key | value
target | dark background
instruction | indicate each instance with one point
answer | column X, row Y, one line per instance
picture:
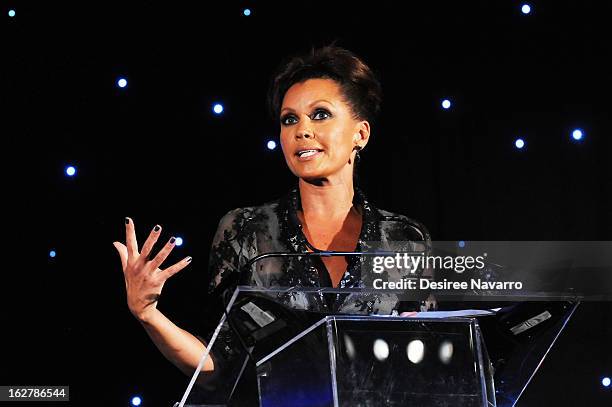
column 154, row 151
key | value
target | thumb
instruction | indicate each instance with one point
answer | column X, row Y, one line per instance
column 123, row 253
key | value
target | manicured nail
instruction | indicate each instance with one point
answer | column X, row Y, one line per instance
column 188, row 259
column 172, row 240
column 156, row 228
column 127, row 221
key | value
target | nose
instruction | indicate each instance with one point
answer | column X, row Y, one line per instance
column 304, row 131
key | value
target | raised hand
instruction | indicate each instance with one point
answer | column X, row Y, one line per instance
column 144, row 279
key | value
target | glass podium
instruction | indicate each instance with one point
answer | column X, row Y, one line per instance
column 285, row 347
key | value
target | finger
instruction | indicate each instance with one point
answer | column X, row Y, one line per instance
column 148, row 245
column 175, row 268
column 408, row 314
column 123, row 253
column 163, row 254
column 130, row 239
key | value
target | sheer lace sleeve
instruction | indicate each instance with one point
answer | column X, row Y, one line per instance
column 227, row 254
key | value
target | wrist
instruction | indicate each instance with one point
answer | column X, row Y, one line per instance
column 145, row 316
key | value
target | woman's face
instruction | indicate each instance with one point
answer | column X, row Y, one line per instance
column 319, row 132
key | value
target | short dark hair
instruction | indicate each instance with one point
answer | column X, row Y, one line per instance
column 358, row 84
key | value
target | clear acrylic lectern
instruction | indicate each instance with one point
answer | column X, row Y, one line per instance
column 283, row 347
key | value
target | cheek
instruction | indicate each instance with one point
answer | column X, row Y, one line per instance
column 341, row 143
column 286, row 146
column 285, row 134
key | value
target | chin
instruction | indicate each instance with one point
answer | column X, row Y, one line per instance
column 310, row 176
column 308, row 173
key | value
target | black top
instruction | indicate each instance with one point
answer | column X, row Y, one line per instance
column 244, row 233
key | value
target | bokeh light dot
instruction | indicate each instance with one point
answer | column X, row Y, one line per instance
column 445, row 353
column 218, row 108
column 519, row 143
column 349, row 347
column 415, row 351
column 70, row 171
column 381, row 350
column 577, row 134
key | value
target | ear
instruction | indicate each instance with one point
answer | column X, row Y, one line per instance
column 362, row 134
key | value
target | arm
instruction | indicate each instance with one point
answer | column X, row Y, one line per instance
column 178, row 346
column 144, row 281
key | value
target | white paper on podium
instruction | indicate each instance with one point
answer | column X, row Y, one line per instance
column 457, row 313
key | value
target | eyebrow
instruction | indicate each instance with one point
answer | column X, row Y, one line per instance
column 312, row 104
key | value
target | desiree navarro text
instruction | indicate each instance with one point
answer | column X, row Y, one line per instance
column 426, row 284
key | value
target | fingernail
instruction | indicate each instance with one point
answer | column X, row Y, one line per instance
column 127, row 220
column 156, row 228
column 188, row 259
column 172, row 240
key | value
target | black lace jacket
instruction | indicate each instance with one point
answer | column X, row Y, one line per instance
column 274, row 227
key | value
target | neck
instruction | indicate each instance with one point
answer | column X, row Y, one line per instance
column 329, row 200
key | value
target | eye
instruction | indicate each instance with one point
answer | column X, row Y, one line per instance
column 320, row 114
column 288, row 119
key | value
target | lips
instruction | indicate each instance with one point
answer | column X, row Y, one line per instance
column 306, row 154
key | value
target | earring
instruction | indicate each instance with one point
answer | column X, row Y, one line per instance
column 357, row 149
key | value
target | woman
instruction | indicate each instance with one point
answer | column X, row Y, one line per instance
column 325, row 102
